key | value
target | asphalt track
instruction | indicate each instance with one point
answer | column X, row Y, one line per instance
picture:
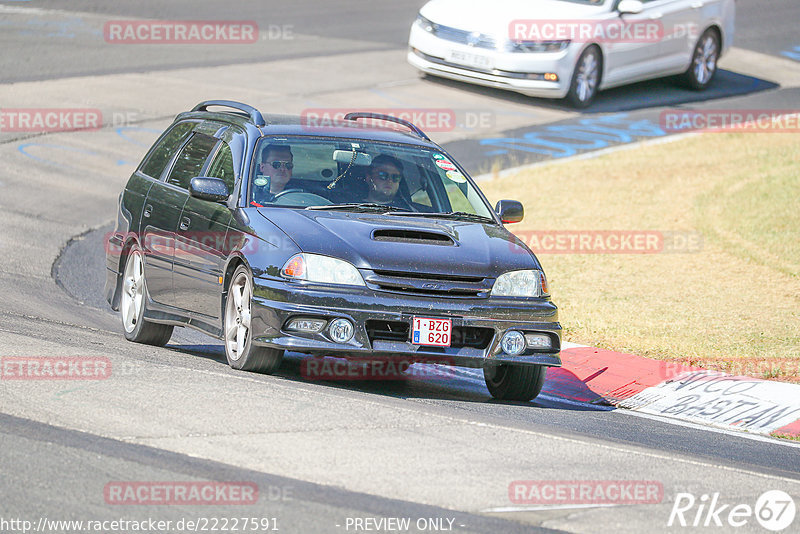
column 417, row 448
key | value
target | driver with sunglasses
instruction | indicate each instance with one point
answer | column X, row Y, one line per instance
column 276, row 163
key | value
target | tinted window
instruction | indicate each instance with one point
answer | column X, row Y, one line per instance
column 166, row 148
column 191, row 160
column 222, row 166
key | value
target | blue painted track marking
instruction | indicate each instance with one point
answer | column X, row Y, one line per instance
column 23, row 149
column 794, row 53
column 564, row 140
column 122, row 131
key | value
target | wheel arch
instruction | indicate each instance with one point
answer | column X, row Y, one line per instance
column 130, row 240
column 602, row 59
column 234, row 262
column 720, row 35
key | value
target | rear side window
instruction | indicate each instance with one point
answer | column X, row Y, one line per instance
column 191, row 160
column 166, row 148
column 222, row 166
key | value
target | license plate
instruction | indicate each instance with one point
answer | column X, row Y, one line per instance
column 468, row 59
column 428, row 331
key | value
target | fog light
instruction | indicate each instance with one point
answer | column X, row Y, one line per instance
column 551, row 77
column 513, row 343
column 341, row 330
column 538, row 341
column 307, row 325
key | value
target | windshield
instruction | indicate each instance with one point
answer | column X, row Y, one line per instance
column 323, row 173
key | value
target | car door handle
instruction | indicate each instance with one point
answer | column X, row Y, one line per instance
column 185, row 223
column 697, row 5
column 148, row 210
column 656, row 16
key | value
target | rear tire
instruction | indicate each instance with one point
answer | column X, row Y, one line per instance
column 514, row 382
column 133, row 304
column 239, row 348
column 704, row 61
column 585, row 78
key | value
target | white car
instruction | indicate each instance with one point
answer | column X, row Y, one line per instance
column 571, row 48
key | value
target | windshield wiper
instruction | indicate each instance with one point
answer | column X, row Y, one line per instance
column 358, row 206
column 459, row 215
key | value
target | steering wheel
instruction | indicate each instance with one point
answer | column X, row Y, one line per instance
column 295, row 190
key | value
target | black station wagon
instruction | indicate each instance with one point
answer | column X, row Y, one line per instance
column 359, row 238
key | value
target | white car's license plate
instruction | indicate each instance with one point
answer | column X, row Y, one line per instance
column 477, row 61
column 428, row 331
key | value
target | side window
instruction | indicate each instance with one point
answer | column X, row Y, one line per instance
column 191, row 160
column 222, row 166
column 163, row 153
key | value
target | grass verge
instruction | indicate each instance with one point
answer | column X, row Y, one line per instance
column 731, row 302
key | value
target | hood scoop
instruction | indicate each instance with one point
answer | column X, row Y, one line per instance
column 408, row 235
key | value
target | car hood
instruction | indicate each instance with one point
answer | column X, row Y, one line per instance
column 477, row 249
column 493, row 18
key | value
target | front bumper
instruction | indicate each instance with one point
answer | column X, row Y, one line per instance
column 277, row 301
column 509, row 70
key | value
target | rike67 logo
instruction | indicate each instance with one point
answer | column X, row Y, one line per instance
column 774, row 510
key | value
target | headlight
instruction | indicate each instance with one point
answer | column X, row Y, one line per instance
column 521, row 284
column 424, row 23
column 537, row 46
column 321, row 269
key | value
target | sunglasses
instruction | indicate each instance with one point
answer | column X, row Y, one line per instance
column 383, row 175
column 277, row 164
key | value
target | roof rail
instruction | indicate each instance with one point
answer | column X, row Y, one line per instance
column 367, row 115
column 254, row 114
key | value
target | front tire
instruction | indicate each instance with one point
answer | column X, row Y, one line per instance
column 239, row 348
column 704, row 61
column 585, row 79
column 514, row 382
column 133, row 304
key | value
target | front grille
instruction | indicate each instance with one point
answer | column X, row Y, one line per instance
column 430, row 285
column 429, row 276
column 476, row 39
column 387, row 330
column 464, row 293
column 493, row 72
column 471, row 336
column 462, row 336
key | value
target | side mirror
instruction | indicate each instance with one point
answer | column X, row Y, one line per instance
column 631, row 7
column 510, row 211
column 207, row 188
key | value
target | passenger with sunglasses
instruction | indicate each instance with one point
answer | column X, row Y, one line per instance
column 383, row 179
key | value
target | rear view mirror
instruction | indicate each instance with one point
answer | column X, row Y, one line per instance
column 208, row 188
column 510, row 211
column 632, row 7
column 346, row 157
